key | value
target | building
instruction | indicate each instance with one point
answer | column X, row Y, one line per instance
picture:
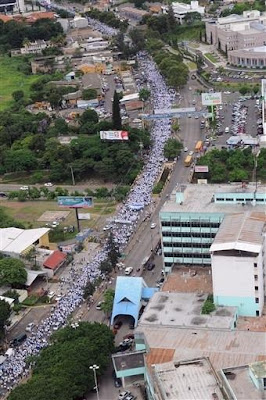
column 245, row 381
column 132, row 13
column 181, row 10
column 238, row 257
column 254, row 57
column 15, row 242
column 79, row 23
column 191, row 218
column 56, row 260
column 12, row 6
column 237, row 32
column 185, row 380
column 263, row 106
column 131, row 293
column 34, row 47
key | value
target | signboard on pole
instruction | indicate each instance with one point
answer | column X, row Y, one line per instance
column 211, row 99
column 74, row 202
column 114, row 135
column 201, row 168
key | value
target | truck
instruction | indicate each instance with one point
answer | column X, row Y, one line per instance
column 199, row 146
column 188, row 161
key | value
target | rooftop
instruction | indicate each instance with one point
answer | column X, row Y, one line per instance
column 189, row 380
column 15, row 240
column 128, row 360
column 240, row 232
column 223, row 347
column 55, row 260
column 199, row 198
column 238, row 380
column 184, row 310
column 184, row 279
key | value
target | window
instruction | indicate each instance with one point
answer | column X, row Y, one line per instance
column 257, row 300
column 257, row 315
column 255, row 265
column 256, row 288
column 255, row 277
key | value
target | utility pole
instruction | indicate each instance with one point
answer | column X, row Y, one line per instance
column 72, row 175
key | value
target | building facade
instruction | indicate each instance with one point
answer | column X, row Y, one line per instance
column 181, row 10
column 238, row 263
column 237, row 32
column 191, row 218
column 250, row 58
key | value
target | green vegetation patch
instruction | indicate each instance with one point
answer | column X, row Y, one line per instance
column 211, row 57
column 12, row 79
column 208, row 305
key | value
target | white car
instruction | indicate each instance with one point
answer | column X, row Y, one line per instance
column 99, row 305
column 30, row 327
column 51, row 295
column 185, row 149
column 128, row 270
column 48, row 184
column 153, row 225
column 24, row 188
column 191, row 153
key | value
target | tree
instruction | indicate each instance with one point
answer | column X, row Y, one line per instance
column 88, row 94
column 175, row 126
column 243, row 90
column 18, row 95
column 90, row 116
column 105, row 267
column 172, row 148
column 89, row 290
column 116, row 117
column 113, row 251
column 171, row 20
column 5, row 312
column 144, row 94
column 108, row 299
column 62, row 371
column 12, row 272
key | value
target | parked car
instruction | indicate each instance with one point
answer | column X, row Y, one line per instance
column 19, row 339
column 24, row 188
column 128, row 270
column 30, row 327
column 122, row 395
column 153, row 225
column 99, row 305
column 150, row 266
column 48, row 184
column 117, row 382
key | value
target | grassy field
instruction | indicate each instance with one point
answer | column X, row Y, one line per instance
column 29, row 212
column 211, row 57
column 11, row 79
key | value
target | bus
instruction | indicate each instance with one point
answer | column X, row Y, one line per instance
column 188, row 161
column 199, row 146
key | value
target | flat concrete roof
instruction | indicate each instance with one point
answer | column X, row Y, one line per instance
column 224, row 348
column 259, row 369
column 240, row 232
column 184, row 310
column 187, row 380
column 199, row 198
column 128, row 360
column 238, row 380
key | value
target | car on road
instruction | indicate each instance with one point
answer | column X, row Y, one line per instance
column 122, row 395
column 153, row 225
column 50, row 295
column 99, row 305
column 30, row 327
column 19, row 339
column 117, row 382
column 107, row 228
column 150, row 266
column 185, row 149
column 24, row 188
column 226, row 130
column 191, row 153
column 128, row 270
column 48, row 184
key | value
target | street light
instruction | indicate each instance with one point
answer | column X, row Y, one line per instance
column 94, row 367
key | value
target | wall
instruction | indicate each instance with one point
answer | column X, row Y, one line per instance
column 44, row 240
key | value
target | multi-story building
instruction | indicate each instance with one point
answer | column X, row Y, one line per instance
column 12, row 5
column 263, row 106
column 191, row 218
column 181, row 10
column 238, row 263
column 238, row 32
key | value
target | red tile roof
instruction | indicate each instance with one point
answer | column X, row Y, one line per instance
column 5, row 18
column 54, row 260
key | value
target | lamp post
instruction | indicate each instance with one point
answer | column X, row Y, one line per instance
column 94, row 367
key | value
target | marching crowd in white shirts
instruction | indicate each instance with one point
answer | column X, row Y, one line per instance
column 15, row 367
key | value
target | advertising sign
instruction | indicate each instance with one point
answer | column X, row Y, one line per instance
column 211, row 99
column 201, row 168
column 74, row 202
column 114, row 135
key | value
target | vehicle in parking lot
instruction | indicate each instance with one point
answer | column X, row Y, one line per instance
column 117, row 382
column 122, row 395
column 50, row 295
column 24, row 188
column 150, row 266
column 226, row 130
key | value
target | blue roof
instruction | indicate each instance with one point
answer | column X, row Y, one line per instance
column 147, row 292
column 128, row 296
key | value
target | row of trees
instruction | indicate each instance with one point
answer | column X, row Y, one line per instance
column 108, row 18
column 62, row 371
column 14, row 33
column 234, row 166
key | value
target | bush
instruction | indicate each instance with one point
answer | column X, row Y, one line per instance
column 158, row 188
column 208, row 305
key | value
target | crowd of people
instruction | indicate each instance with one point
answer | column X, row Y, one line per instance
column 15, row 367
column 103, row 28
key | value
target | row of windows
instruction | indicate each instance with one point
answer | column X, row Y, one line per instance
column 240, row 200
column 189, row 234
column 198, row 224
column 193, row 245
column 187, row 255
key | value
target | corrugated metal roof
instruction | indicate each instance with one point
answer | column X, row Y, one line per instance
column 241, row 231
column 15, row 240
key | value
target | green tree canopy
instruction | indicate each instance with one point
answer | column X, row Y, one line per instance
column 144, row 94
column 5, row 312
column 12, row 272
column 116, row 117
column 108, row 299
column 62, row 371
column 172, row 148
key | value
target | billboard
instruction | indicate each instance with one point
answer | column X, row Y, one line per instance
column 114, row 135
column 74, row 202
column 211, row 99
column 201, row 168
